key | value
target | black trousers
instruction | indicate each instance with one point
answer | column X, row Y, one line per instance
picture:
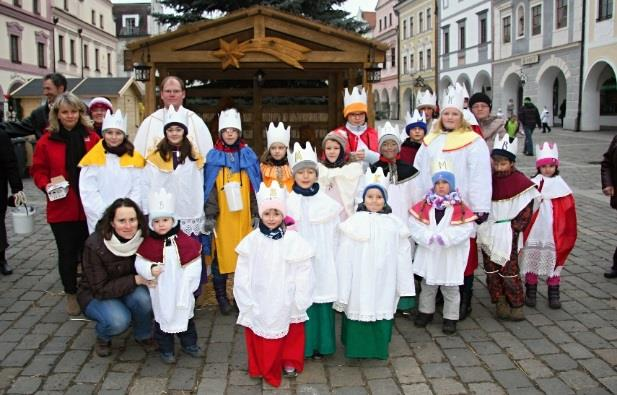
column 4, row 242
column 70, row 238
column 166, row 340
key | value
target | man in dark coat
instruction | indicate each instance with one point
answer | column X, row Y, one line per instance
column 609, row 183
column 9, row 174
column 529, row 117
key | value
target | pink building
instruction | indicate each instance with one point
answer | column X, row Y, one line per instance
column 386, row 31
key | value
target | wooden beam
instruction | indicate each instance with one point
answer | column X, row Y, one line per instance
column 332, row 101
column 269, row 92
column 150, row 99
column 258, row 143
column 205, row 35
column 259, row 26
column 171, row 56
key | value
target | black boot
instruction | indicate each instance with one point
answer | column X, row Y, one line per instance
column 422, row 319
column 466, row 291
column 448, row 327
column 553, row 297
column 531, row 292
column 220, row 290
column 5, row 268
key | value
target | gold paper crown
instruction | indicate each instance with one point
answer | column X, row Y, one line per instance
column 300, row 154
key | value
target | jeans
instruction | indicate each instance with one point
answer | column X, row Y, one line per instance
column 114, row 316
column 528, row 140
column 70, row 238
column 165, row 340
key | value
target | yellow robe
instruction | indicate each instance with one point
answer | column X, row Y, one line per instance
column 231, row 227
column 282, row 174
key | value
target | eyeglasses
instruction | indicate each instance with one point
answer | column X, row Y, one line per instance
column 174, row 91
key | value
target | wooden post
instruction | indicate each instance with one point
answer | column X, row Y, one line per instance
column 150, row 100
column 369, row 98
column 332, row 102
column 258, row 144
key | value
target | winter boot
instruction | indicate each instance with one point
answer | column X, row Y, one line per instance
column 5, row 268
column 220, row 290
column 466, row 293
column 517, row 314
column 531, row 292
column 422, row 319
column 448, row 327
column 503, row 308
column 553, row 297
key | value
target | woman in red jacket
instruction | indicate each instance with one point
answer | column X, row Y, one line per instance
column 57, row 153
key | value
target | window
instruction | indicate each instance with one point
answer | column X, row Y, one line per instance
column 404, row 29
column 411, row 66
column 605, row 9
column 15, row 52
column 561, row 14
column 521, row 22
column 61, row 49
column 461, row 35
column 404, row 64
column 108, row 63
column 93, row 17
column 40, row 52
column 411, row 27
column 17, row 3
column 446, row 3
column 101, row 21
column 66, row 5
column 36, row 7
column 482, row 25
column 380, row 25
column 85, row 56
column 96, row 60
column 428, row 19
column 428, row 59
column 507, row 27
column 393, row 57
column 536, row 20
column 421, row 22
column 446, row 40
column 72, row 51
column 421, row 60
column 390, row 19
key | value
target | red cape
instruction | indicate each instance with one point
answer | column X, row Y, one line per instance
column 188, row 248
column 462, row 214
column 510, row 186
column 369, row 137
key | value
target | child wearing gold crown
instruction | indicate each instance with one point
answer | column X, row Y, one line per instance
column 374, row 271
column 337, row 175
column 274, row 164
column 231, row 179
column 316, row 217
column 273, row 288
column 112, row 169
column 415, row 130
column 500, row 237
column 552, row 232
column 441, row 224
column 426, row 104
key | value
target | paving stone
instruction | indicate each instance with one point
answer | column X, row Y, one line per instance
column 154, row 367
column 578, row 380
column 345, row 376
column 313, row 389
column 55, row 345
column 212, row 386
column 473, row 374
column 93, row 370
column 610, row 383
column 25, row 385
column 349, row 391
column 607, row 333
column 497, row 362
column 485, row 389
column 556, row 334
column 461, row 357
column 216, row 370
column 241, row 377
column 417, row 389
column 559, row 362
column 117, row 381
column 534, row 368
column 486, row 348
column 590, row 340
column 608, row 355
column 407, row 371
column 40, row 365
column 597, row 367
column 71, row 362
column 447, row 386
column 541, row 346
column 576, row 351
column 428, row 353
column 218, row 352
column 17, row 358
column 379, row 372
column 437, row 370
column 554, row 386
column 511, row 379
column 58, row 381
column 383, row 387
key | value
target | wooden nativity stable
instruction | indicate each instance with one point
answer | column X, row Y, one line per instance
column 273, row 66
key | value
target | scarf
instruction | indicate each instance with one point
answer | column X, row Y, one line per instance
column 120, row 246
column 390, row 161
column 441, row 202
column 310, row 191
column 119, row 150
column 74, row 151
column 385, row 210
column 356, row 129
column 277, row 162
column 274, row 234
column 152, row 247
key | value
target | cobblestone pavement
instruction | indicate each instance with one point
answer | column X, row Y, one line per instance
column 565, row 351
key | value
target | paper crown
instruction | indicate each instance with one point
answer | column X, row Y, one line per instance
column 179, row 117
column 417, row 121
column 278, row 134
column 442, row 170
column 376, row 179
column 465, row 93
column 426, row 98
column 115, row 121
column 453, row 97
column 470, row 118
column 547, row 154
column 504, row 147
column 230, row 119
column 100, row 102
column 161, row 204
column 271, row 197
column 356, row 101
column 307, row 156
column 389, row 132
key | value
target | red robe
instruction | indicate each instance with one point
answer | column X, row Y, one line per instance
column 369, row 137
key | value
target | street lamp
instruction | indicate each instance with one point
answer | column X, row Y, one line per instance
column 141, row 72
column 522, row 76
column 373, row 73
column 81, row 43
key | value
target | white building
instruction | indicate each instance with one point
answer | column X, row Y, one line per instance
column 386, row 91
column 465, row 45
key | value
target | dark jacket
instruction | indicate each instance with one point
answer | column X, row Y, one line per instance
column 529, row 116
column 608, row 170
column 104, row 275
column 9, row 174
column 35, row 124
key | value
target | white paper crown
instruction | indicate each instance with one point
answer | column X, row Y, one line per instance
column 300, row 154
column 417, row 117
column 426, row 98
column 440, row 164
column 470, row 118
column 161, row 204
column 358, row 95
column 115, row 121
column 453, row 97
column 230, row 119
column 388, row 130
column 278, row 134
column 172, row 116
column 376, row 178
column 547, row 151
column 271, row 197
column 465, row 93
column 505, row 144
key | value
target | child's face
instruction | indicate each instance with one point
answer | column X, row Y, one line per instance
column 174, row 134
column 442, row 188
column 501, row 164
column 416, row 134
column 272, row 218
column 113, row 137
column 162, row 225
column 306, row 177
column 374, row 201
column 278, row 151
column 428, row 112
column 451, row 118
column 356, row 118
column 230, row 135
column 548, row 170
column 332, row 150
column 389, row 149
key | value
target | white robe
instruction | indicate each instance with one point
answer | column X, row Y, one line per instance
column 441, row 265
column 273, row 282
column 340, row 184
column 172, row 298
column 471, row 168
column 374, row 266
column 100, row 186
column 317, row 219
column 186, row 184
column 151, row 132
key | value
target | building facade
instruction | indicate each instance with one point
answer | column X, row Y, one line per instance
column 85, row 37
column 385, row 92
column 465, row 46
column 26, row 51
column 538, row 55
column 417, row 50
column 599, row 94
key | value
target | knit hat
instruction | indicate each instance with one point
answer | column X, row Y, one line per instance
column 480, row 98
column 339, row 136
column 376, row 180
column 161, row 204
column 441, row 170
column 271, row 197
column 355, row 102
column 278, row 134
column 547, row 154
column 417, row 121
column 176, row 118
column 302, row 158
column 100, row 102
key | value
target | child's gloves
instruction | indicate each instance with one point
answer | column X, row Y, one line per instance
column 482, row 217
column 209, row 224
column 436, row 239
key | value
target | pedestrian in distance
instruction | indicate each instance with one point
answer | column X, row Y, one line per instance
column 545, row 119
column 609, row 188
column 529, row 117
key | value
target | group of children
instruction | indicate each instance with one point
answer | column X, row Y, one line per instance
column 346, row 232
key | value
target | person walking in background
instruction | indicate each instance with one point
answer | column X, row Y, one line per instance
column 609, row 182
column 545, row 119
column 529, row 117
column 562, row 111
column 510, row 108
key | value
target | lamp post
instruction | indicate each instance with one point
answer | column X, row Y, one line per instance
column 523, row 77
column 81, row 44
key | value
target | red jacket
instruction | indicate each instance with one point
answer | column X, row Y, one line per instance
column 49, row 161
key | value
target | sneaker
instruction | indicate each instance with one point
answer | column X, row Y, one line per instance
column 102, row 347
column 72, row 307
column 168, row 357
column 289, row 371
column 148, row 344
column 194, row 351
